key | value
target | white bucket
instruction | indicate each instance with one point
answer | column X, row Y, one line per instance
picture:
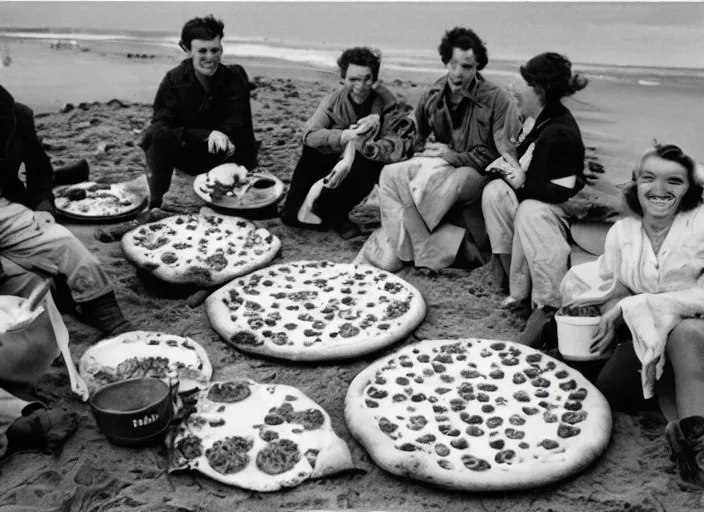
column 574, row 337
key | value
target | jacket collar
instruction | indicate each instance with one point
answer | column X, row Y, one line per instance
column 473, row 94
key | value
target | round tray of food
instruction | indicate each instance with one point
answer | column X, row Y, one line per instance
column 230, row 186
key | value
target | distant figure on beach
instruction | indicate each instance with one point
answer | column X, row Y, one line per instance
column 527, row 212
column 353, row 133
column 465, row 123
column 649, row 284
column 202, row 113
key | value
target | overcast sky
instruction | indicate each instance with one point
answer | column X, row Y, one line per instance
column 656, row 34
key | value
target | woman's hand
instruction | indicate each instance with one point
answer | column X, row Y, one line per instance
column 606, row 330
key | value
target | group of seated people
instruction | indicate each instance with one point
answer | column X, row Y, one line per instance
column 472, row 167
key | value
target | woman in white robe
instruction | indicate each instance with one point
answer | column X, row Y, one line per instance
column 651, row 279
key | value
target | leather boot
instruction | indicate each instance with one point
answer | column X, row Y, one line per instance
column 686, row 439
column 72, row 173
column 104, row 313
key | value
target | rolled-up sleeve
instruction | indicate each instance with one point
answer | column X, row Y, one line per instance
column 318, row 132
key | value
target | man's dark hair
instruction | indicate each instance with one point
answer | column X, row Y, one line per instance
column 201, row 28
column 464, row 39
column 692, row 198
column 360, row 56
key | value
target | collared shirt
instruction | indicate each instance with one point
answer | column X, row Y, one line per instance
column 489, row 126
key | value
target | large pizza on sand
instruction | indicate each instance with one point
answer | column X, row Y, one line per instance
column 206, row 249
column 90, row 200
column 477, row 415
column 315, row 310
column 258, row 437
column 139, row 354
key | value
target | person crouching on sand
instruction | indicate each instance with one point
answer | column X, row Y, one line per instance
column 353, row 133
column 32, row 246
column 650, row 279
column 202, row 113
column 527, row 213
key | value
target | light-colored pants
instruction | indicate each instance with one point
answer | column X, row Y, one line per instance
column 415, row 195
column 33, row 250
column 48, row 248
column 534, row 233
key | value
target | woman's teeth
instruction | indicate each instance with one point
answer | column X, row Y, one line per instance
column 660, row 200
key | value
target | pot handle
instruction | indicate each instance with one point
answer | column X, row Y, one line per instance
column 176, row 401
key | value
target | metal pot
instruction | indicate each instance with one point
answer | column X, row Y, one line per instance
column 135, row 412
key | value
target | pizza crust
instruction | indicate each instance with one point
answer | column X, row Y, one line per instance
column 213, row 422
column 369, row 340
column 421, row 463
column 122, row 357
column 206, row 249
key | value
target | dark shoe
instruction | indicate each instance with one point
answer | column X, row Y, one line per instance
column 40, row 429
column 686, row 440
column 347, row 229
column 72, row 174
column 104, row 313
column 540, row 331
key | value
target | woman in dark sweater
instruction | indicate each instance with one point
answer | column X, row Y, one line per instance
column 527, row 213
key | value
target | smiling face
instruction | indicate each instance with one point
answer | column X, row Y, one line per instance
column 359, row 81
column 527, row 99
column 661, row 184
column 206, row 55
column 461, row 69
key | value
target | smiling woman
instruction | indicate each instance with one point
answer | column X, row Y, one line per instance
column 651, row 278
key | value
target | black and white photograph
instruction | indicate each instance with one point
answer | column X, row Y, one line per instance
column 365, row 256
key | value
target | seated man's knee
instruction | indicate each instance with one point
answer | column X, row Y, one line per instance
column 470, row 183
column 494, row 192
column 687, row 339
column 389, row 174
column 159, row 137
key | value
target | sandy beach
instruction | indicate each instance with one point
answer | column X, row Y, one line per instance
column 91, row 475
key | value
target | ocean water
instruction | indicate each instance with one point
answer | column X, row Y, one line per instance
column 324, row 55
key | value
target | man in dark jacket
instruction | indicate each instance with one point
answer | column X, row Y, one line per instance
column 32, row 245
column 202, row 114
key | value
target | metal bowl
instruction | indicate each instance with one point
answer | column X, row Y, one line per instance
column 133, row 412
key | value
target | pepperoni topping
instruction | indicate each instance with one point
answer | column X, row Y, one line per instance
column 505, row 457
column 442, row 450
column 459, row 444
column 513, row 433
column 574, row 417
column 565, row 431
column 548, row 444
column 517, row 420
column 475, row 463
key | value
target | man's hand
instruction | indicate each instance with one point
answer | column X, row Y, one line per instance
column 436, row 150
column 218, row 142
column 354, row 132
column 370, row 122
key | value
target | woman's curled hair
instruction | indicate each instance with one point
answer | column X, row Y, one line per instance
column 552, row 73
